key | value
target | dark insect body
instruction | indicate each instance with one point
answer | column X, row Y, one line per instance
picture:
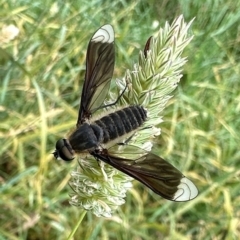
column 107, row 128
column 121, row 122
column 102, row 137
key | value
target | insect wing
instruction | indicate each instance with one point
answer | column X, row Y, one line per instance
column 99, row 70
column 151, row 170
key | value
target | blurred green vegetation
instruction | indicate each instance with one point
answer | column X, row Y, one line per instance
column 39, row 97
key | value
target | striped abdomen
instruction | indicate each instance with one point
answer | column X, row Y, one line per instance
column 121, row 122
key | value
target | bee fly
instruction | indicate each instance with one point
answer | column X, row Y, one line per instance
column 101, row 138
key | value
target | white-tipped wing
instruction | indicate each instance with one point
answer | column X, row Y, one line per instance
column 99, row 71
column 105, row 34
column 151, row 170
column 186, row 191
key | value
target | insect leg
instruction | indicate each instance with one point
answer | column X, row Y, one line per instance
column 112, row 104
column 126, row 141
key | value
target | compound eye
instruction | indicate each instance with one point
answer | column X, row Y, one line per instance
column 64, row 150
